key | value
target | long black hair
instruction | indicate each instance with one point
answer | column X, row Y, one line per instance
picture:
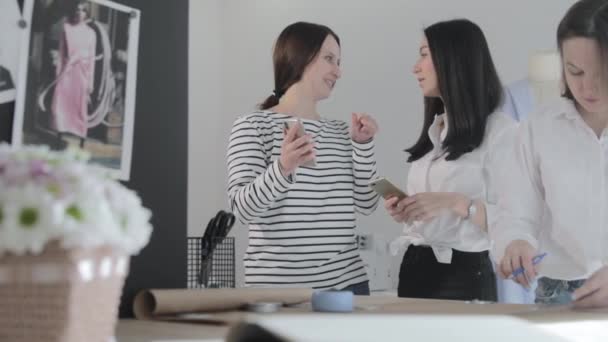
column 468, row 83
column 586, row 19
column 297, row 46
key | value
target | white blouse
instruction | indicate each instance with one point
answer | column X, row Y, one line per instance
column 474, row 174
column 558, row 194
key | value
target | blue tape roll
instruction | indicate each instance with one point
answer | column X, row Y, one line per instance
column 332, row 301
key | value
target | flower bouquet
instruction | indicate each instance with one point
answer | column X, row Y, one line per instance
column 66, row 232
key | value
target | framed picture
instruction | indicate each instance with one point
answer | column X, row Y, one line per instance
column 10, row 17
column 78, row 86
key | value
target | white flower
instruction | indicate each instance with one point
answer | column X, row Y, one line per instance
column 31, row 218
column 48, row 196
column 132, row 218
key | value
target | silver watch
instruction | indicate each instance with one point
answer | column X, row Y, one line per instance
column 472, row 210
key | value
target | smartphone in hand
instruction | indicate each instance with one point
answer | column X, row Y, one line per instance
column 290, row 122
column 387, row 189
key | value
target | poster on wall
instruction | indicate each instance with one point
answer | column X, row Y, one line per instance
column 78, row 85
column 10, row 15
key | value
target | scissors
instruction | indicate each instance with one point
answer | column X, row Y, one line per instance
column 216, row 231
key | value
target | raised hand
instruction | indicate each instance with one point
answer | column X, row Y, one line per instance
column 363, row 127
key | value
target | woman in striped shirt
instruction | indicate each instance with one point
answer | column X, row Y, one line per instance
column 302, row 218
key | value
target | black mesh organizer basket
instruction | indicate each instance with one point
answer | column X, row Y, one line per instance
column 214, row 272
column 211, row 257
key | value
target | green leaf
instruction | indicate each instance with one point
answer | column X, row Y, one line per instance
column 28, row 217
column 123, row 223
column 1, row 215
column 74, row 212
column 54, row 189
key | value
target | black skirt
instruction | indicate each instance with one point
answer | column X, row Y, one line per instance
column 470, row 276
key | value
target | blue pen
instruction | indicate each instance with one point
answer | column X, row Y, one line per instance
column 521, row 270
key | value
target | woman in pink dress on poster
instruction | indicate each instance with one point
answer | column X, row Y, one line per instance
column 75, row 74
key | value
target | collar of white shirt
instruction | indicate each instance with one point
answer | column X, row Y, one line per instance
column 436, row 132
column 566, row 109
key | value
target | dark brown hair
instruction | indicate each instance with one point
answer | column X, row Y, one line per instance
column 297, row 46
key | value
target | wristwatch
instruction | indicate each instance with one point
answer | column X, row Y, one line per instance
column 471, row 211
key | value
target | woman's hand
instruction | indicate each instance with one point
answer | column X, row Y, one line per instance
column 295, row 151
column 363, row 128
column 519, row 253
column 395, row 208
column 594, row 292
column 425, row 206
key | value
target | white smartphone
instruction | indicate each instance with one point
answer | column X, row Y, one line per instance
column 290, row 122
column 386, row 189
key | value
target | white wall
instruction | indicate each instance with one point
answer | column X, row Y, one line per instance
column 204, row 152
column 231, row 71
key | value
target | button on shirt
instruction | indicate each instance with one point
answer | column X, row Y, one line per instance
column 558, row 194
column 473, row 174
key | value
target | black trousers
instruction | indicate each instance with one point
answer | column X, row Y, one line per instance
column 470, row 276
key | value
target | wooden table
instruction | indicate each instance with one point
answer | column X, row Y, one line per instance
column 140, row 331
column 131, row 330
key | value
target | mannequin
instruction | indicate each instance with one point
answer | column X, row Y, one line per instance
column 542, row 85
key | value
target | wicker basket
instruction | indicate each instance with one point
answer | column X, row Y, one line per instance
column 61, row 295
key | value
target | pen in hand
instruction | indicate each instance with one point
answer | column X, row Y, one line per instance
column 537, row 259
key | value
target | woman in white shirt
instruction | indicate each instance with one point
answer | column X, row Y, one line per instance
column 557, row 201
column 455, row 164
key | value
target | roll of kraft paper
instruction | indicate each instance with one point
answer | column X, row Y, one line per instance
column 332, row 301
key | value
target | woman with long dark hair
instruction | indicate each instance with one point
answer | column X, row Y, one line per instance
column 456, row 164
column 301, row 216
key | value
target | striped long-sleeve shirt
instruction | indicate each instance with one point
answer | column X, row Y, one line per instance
column 301, row 227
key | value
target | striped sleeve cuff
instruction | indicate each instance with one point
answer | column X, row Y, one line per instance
column 282, row 183
column 363, row 150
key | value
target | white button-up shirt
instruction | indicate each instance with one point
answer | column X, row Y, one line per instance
column 474, row 174
column 557, row 196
